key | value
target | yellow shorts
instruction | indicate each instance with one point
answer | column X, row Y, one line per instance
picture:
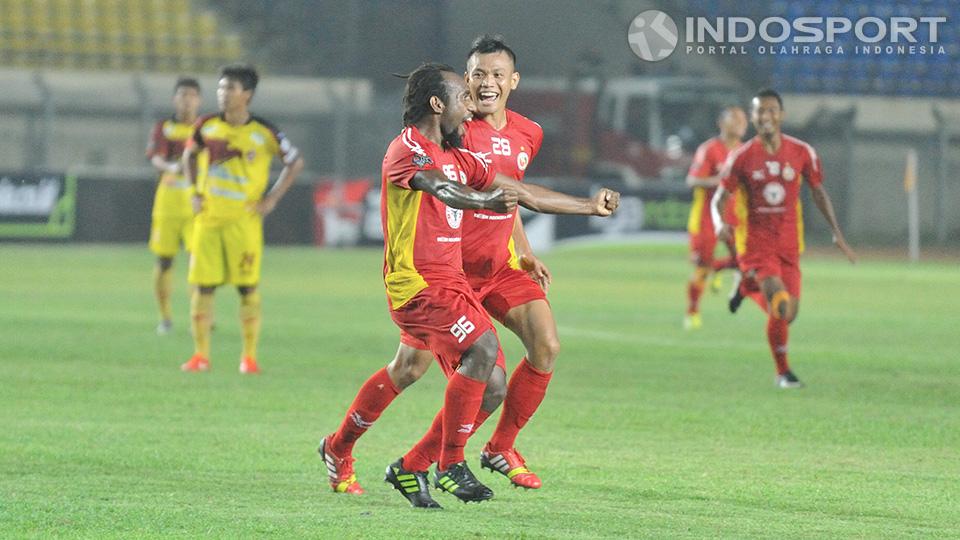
column 166, row 233
column 228, row 253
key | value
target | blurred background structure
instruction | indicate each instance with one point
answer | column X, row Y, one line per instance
column 83, row 81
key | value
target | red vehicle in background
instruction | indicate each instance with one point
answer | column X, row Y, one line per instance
column 635, row 129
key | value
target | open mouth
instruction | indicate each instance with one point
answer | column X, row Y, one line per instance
column 488, row 98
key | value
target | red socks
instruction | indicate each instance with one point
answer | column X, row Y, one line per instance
column 460, row 405
column 427, row 450
column 525, row 391
column 694, row 290
column 373, row 398
column 777, row 332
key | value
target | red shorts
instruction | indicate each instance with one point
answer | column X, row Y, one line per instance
column 445, row 319
column 785, row 265
column 506, row 290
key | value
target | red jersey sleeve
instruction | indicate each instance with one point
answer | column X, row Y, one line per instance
column 402, row 163
column 812, row 170
column 703, row 161
column 479, row 174
column 158, row 145
column 537, row 140
column 731, row 172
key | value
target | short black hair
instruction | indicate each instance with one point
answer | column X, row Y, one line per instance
column 486, row 43
column 245, row 74
column 769, row 92
column 186, row 82
column 423, row 83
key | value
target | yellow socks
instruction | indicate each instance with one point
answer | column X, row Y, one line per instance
column 250, row 323
column 163, row 286
column 201, row 313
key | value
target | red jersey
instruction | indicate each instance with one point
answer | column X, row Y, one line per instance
column 487, row 236
column 707, row 161
column 767, row 188
column 421, row 233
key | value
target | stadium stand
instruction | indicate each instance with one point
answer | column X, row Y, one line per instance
column 132, row 35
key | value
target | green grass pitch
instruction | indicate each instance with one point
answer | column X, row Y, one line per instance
column 647, row 431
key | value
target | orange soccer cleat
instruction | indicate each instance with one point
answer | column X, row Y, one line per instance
column 196, row 363
column 340, row 471
column 510, row 464
column 248, row 366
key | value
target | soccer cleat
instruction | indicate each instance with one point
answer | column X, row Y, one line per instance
column 248, row 366
column 692, row 321
column 411, row 484
column 459, row 481
column 340, row 471
column 788, row 380
column 510, row 464
column 736, row 297
column 196, row 363
column 165, row 327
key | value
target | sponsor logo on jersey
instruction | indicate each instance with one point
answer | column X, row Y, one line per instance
column 788, row 173
column 758, row 175
column 522, row 161
column 422, row 160
column 774, row 193
column 257, row 138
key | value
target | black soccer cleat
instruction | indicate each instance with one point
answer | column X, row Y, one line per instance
column 412, row 485
column 736, row 298
column 788, row 380
column 460, row 482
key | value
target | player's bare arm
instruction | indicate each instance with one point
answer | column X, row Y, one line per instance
column 704, row 182
column 822, row 200
column 546, row 201
column 528, row 261
column 287, row 176
column 164, row 166
column 188, row 164
column 456, row 195
column 717, row 205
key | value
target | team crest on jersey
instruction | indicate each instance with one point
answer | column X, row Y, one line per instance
column 167, row 130
column 251, row 155
column 774, row 193
column 523, row 159
column 422, row 160
column 454, row 217
column 788, row 173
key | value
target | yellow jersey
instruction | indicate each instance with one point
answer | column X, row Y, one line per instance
column 238, row 164
column 167, row 140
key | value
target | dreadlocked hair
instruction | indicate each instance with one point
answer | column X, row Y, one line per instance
column 423, row 83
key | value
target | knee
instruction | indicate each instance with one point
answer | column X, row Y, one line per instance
column 405, row 370
column 479, row 360
column 164, row 263
column 545, row 353
column 244, row 290
column 496, row 390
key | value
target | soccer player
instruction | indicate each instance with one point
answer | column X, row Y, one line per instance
column 493, row 266
column 230, row 205
column 172, row 222
column 703, row 178
column 766, row 173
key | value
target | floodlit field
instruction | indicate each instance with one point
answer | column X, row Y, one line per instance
column 647, row 431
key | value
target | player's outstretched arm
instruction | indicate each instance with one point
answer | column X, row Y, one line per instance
column 822, row 200
column 457, row 195
column 717, row 204
column 528, row 261
column 548, row 201
column 287, row 176
column 704, row 182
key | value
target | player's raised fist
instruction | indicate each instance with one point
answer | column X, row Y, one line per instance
column 606, row 202
column 502, row 200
